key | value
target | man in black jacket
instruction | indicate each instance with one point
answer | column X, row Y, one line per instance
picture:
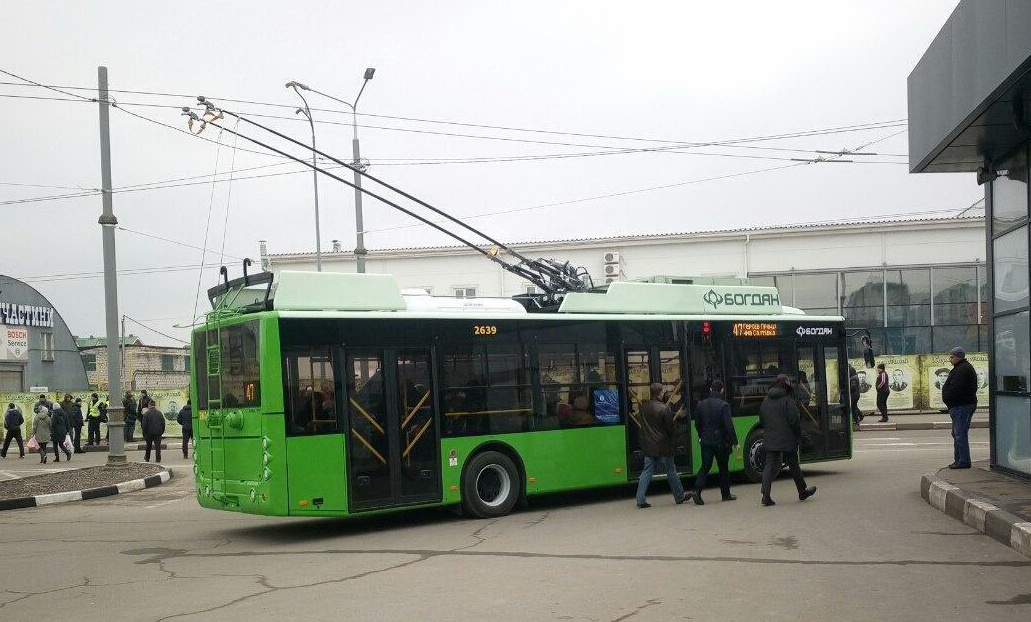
column 717, row 438
column 657, row 423
column 960, row 394
column 779, row 417
column 13, row 421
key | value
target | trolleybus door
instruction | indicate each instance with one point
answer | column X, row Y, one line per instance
column 644, row 366
column 822, row 404
column 392, row 436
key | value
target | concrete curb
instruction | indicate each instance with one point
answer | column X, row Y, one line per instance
column 90, row 493
column 893, row 426
column 980, row 514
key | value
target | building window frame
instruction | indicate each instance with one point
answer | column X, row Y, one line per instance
column 46, row 346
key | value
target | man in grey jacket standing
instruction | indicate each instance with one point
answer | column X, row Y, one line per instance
column 779, row 418
column 657, row 422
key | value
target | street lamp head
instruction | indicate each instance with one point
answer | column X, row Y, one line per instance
column 294, row 84
column 369, row 73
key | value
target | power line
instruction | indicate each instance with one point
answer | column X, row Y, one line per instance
column 65, row 276
column 154, row 330
column 177, row 242
column 895, row 122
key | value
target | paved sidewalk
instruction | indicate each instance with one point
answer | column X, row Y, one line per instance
column 995, row 504
column 919, row 421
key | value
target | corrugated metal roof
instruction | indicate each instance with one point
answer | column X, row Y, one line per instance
column 826, row 224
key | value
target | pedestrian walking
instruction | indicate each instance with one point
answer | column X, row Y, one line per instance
column 657, row 423
column 853, row 394
column 717, row 438
column 13, row 421
column 60, row 426
column 779, row 418
column 185, row 419
column 883, row 390
column 93, row 420
column 960, row 395
column 130, row 409
column 41, row 431
column 77, row 423
column 152, row 424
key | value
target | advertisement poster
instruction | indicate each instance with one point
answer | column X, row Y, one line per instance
column 936, row 371
column 867, row 377
column 903, row 379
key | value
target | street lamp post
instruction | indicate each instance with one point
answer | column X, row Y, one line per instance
column 359, row 248
column 315, row 174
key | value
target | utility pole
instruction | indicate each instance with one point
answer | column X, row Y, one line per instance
column 108, row 222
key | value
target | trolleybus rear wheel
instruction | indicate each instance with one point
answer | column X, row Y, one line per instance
column 490, row 485
column 755, row 457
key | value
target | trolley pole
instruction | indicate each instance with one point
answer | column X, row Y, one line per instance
column 108, row 222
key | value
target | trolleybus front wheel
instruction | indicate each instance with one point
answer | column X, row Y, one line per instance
column 490, row 485
column 755, row 457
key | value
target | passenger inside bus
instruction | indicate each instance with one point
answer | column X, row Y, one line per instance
column 577, row 412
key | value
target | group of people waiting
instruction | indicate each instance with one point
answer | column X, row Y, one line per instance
column 778, row 416
column 59, row 424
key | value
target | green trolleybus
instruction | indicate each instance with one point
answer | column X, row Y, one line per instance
column 328, row 394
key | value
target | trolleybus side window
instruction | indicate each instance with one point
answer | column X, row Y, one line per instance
column 487, row 390
column 579, row 385
column 239, row 366
column 753, row 367
column 200, row 363
column 309, row 391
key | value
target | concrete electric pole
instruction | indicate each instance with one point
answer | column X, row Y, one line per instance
column 108, row 222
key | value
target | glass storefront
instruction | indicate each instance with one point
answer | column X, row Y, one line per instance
column 1011, row 360
column 908, row 311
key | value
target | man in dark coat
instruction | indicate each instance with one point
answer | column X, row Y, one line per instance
column 152, row 424
column 717, row 438
column 13, row 420
column 130, row 411
column 60, row 426
column 657, row 423
column 77, row 420
column 185, row 419
column 778, row 416
column 960, row 394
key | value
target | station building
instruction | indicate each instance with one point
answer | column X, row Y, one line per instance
column 918, row 287
column 970, row 110
column 37, row 351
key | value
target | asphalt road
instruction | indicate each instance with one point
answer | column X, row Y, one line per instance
column 866, row 547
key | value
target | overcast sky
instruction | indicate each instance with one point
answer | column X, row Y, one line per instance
column 582, row 88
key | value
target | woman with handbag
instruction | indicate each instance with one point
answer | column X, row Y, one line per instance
column 41, row 431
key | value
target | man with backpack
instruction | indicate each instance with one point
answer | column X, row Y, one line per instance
column 13, row 421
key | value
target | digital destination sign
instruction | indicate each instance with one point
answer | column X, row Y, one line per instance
column 755, row 329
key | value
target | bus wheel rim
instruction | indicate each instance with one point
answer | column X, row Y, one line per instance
column 754, row 456
column 493, row 485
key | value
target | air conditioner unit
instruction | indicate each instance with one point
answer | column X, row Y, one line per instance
column 612, row 257
column 612, row 269
column 610, row 279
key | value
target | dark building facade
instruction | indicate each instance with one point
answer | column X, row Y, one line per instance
column 970, row 110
